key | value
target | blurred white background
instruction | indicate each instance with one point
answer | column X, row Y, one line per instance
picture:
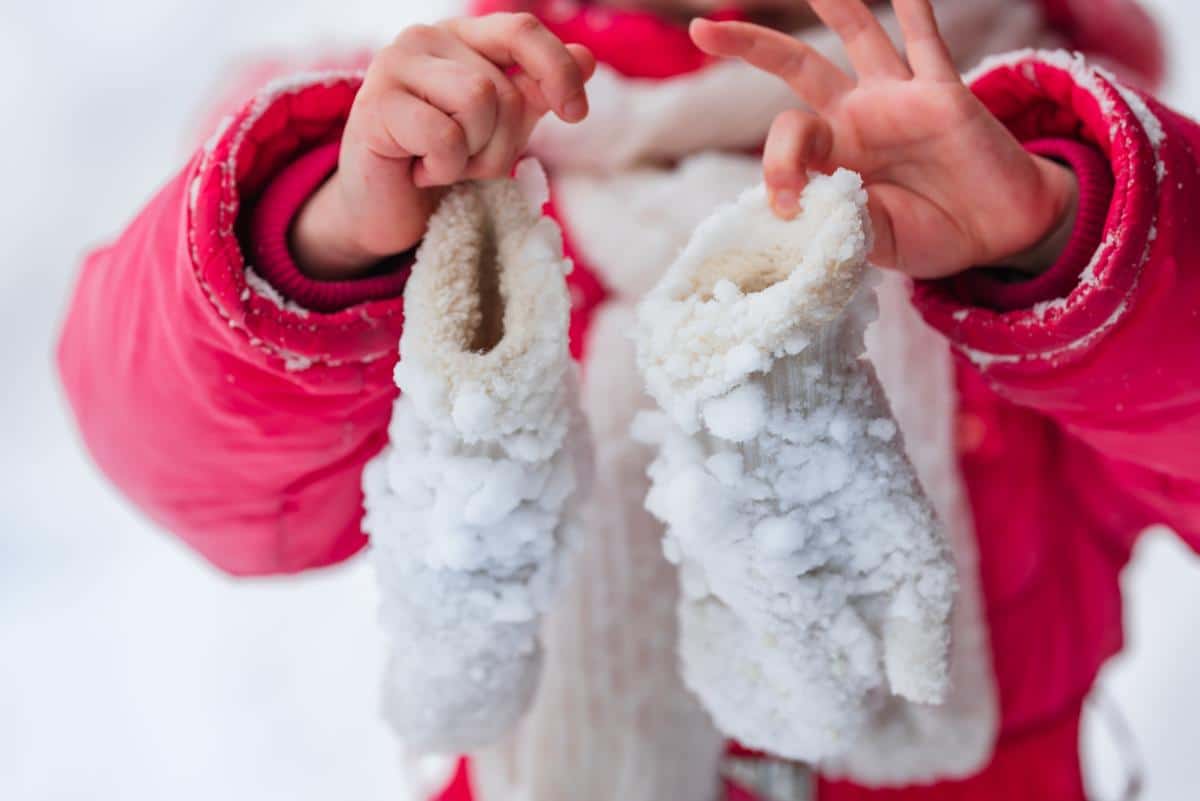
column 130, row 671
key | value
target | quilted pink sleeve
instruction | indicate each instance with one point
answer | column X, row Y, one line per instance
column 1111, row 354
column 233, row 416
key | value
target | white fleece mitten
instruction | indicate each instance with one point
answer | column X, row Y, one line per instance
column 816, row 580
column 470, row 508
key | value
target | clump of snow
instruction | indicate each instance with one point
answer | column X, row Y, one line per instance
column 815, row 578
column 1149, row 121
column 738, row 415
column 263, row 288
column 1137, row 104
column 470, row 508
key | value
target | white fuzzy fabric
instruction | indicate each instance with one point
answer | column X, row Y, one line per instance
column 470, row 508
column 815, row 576
column 632, row 224
column 607, row 672
column 908, row 742
column 612, row 718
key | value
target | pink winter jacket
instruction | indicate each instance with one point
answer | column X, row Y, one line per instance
column 238, row 412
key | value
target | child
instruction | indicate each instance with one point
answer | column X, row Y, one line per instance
column 229, row 359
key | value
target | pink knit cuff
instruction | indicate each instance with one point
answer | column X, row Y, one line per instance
column 988, row 287
column 271, row 221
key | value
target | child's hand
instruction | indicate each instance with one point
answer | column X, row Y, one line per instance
column 439, row 105
column 949, row 186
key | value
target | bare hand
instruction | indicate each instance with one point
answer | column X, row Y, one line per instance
column 949, row 186
column 440, row 105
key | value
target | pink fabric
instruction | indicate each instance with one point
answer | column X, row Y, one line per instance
column 640, row 45
column 242, row 424
column 637, row 44
column 1015, row 334
column 1119, row 32
column 1086, row 412
column 271, row 222
column 989, row 288
column 238, row 423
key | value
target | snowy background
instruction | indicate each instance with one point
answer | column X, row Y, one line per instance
column 130, row 671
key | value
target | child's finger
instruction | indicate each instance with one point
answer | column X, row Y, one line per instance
column 521, row 40
column 584, row 58
column 467, row 95
column 536, row 102
column 806, row 71
column 522, row 104
column 798, row 141
column 413, row 127
column 927, row 52
column 871, row 51
column 496, row 159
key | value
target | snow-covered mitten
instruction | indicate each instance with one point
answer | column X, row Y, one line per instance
column 470, row 508
column 816, row 580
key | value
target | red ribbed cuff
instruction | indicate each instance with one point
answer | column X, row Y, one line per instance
column 987, row 288
column 271, row 221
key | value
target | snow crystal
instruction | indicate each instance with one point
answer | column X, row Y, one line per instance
column 470, row 508
column 1149, row 120
column 725, row 467
column 779, row 536
column 264, row 289
column 882, row 428
column 473, row 411
column 1146, row 118
column 295, row 363
column 1088, row 277
column 298, row 81
column 194, row 192
column 738, row 415
column 218, row 133
column 1081, row 71
column 1044, row 307
column 813, row 571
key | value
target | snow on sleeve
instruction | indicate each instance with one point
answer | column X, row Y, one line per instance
column 815, row 578
column 470, row 508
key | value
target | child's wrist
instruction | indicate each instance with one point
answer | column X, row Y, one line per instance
column 1060, row 188
column 321, row 241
